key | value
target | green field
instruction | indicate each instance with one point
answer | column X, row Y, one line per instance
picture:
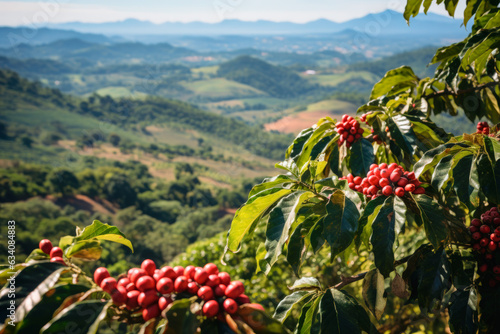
column 117, row 92
column 336, row 79
column 220, row 88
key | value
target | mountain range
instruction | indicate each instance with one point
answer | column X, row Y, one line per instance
column 387, row 22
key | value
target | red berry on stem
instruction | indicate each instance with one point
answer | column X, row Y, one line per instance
column 56, row 252
column 137, row 274
column 230, row 306
column 225, row 278
column 212, row 281
column 45, row 245
column 387, row 191
column 400, row 192
column 132, row 299
column 485, row 229
column 243, row 299
column 189, row 272
column 148, row 266
column 100, row 274
column 163, row 302
column 410, row 187
column 119, row 295
column 220, row 290
column 151, row 312
column 169, row 272
column 145, row 283
column 211, row 308
column 476, row 236
column 147, row 298
column 483, row 267
column 131, row 287
column 206, row 293
column 58, row 259
column 179, row 270
column 108, row 284
column 165, row 285
column 193, row 288
column 484, row 242
column 492, row 246
column 200, row 276
column 180, row 284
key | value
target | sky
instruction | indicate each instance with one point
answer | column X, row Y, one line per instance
column 40, row 13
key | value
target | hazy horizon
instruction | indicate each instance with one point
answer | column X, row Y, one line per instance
column 22, row 13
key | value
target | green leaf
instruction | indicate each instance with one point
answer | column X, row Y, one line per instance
column 286, row 305
column 281, row 218
column 296, row 148
column 37, row 255
column 88, row 250
column 386, row 227
column 451, row 5
column 247, row 217
column 341, row 222
column 42, row 312
column 367, row 220
column 30, row 285
column 402, row 133
column 374, row 293
column 306, row 283
column 492, row 147
column 435, row 223
column 299, row 242
column 395, row 81
column 434, row 280
column 81, row 317
column 340, row 313
column 433, row 156
column 307, row 316
column 463, row 311
column 412, row 9
column 361, row 157
column 7, row 272
column 280, row 181
column 102, row 231
column 470, row 10
column 180, row 318
column 465, row 181
column 326, row 128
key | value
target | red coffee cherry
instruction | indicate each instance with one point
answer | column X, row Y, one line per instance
column 169, row 272
column 151, row 312
column 211, row 308
column 100, row 274
column 165, row 285
column 400, row 192
column 193, row 288
column 189, row 272
column 179, row 270
column 58, row 259
column 119, row 295
column 200, row 276
column 220, row 290
column 132, row 299
column 206, row 293
column 485, row 229
column 242, row 299
column 387, row 191
column 180, row 284
column 45, row 245
column 230, row 306
column 212, row 281
column 123, row 282
column 108, row 284
column 137, row 274
column 145, row 283
column 56, row 252
column 148, row 266
column 163, row 302
column 211, row 269
column 147, row 298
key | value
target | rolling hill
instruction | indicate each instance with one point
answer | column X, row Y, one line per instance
column 277, row 81
column 23, row 104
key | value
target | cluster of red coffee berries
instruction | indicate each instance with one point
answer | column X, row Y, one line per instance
column 385, row 180
column 349, row 130
column 483, row 127
column 55, row 253
column 486, row 241
column 151, row 290
column 363, row 117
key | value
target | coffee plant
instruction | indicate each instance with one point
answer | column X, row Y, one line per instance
column 406, row 213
